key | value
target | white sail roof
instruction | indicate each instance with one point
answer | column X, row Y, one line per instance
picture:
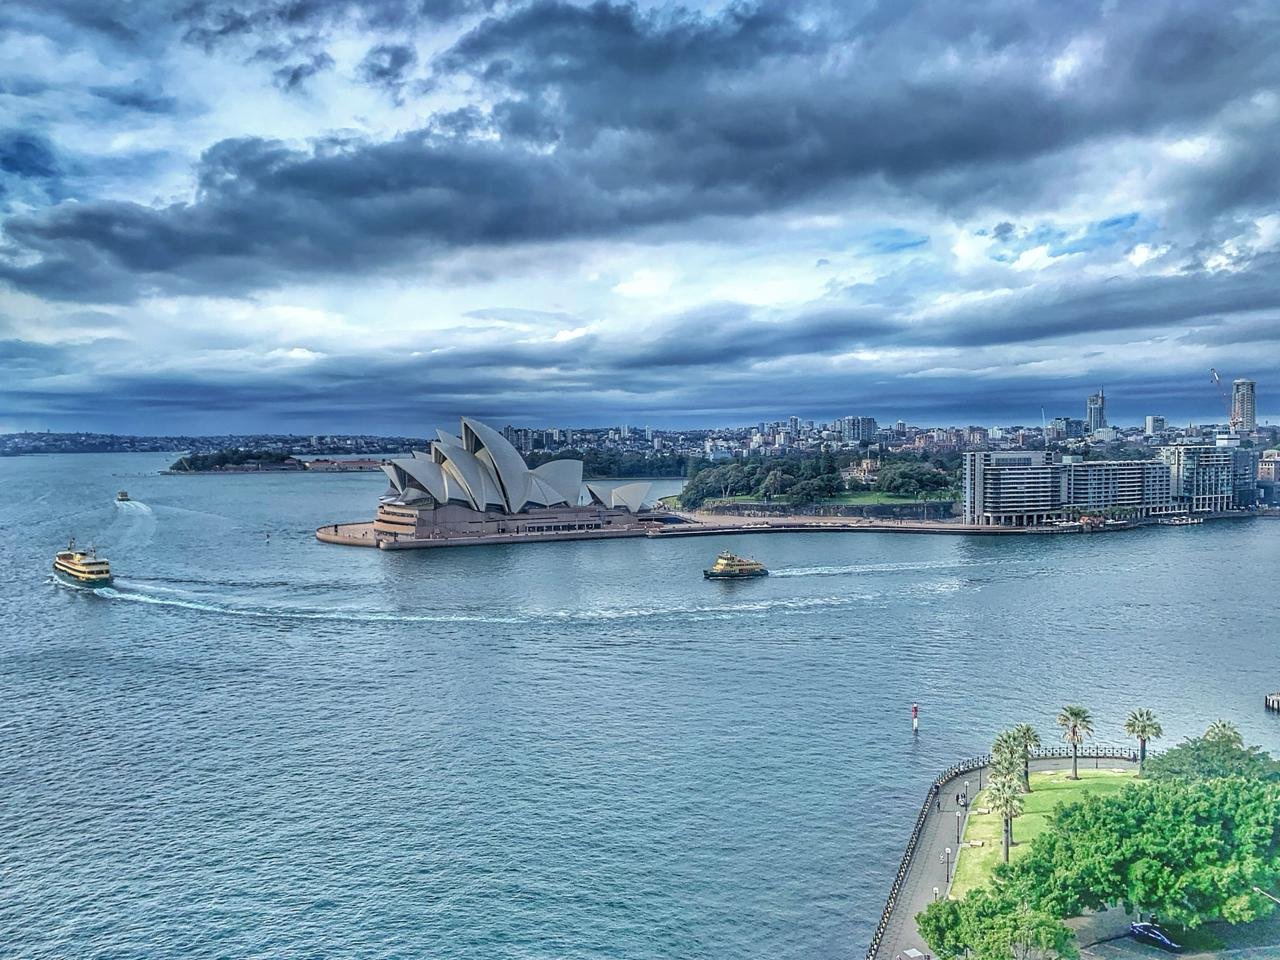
column 482, row 469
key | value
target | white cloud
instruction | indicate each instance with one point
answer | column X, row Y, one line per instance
column 646, row 283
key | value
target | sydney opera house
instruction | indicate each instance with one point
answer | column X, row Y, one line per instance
column 477, row 485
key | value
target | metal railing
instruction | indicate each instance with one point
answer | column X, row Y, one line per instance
column 956, row 770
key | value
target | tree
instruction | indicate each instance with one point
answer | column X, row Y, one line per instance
column 1030, row 740
column 944, row 924
column 991, row 925
column 1077, row 725
column 1141, row 724
column 1191, row 851
column 1007, row 757
column 1203, row 759
column 1225, row 732
column 1005, row 798
column 775, row 483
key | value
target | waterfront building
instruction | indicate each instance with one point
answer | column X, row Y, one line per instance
column 1095, row 411
column 1153, row 426
column 477, row 484
column 1028, row 488
column 1142, row 487
column 1269, row 466
column 1211, row 479
column 1244, row 413
column 1011, row 488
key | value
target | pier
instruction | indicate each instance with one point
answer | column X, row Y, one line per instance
column 1272, row 702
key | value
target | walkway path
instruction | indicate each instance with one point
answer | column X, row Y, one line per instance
column 928, row 869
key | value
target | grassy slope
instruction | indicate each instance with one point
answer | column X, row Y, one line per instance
column 1047, row 791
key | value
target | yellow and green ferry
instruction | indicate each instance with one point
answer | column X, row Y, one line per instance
column 729, row 566
column 82, row 567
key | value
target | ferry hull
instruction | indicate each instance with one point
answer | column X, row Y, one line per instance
column 78, row 580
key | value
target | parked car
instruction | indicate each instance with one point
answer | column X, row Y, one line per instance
column 1154, row 935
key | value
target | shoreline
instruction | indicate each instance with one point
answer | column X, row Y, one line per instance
column 919, row 871
column 360, row 533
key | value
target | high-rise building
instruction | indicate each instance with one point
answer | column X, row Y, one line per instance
column 1006, row 488
column 1244, row 412
column 1153, row 426
column 1068, row 427
column 855, row 429
column 1095, row 411
column 1211, row 479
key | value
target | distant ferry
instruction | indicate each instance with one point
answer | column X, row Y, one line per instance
column 82, row 567
column 122, row 496
column 1181, row 521
column 729, row 566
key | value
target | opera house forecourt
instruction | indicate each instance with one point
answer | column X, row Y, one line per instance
column 476, row 488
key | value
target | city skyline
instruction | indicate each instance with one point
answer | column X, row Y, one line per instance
column 359, row 215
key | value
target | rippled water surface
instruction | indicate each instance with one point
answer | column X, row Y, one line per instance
column 257, row 745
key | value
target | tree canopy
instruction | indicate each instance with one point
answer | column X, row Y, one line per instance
column 1205, row 758
column 1190, row 850
column 816, row 476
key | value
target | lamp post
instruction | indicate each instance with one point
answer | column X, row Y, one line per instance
column 935, row 893
column 947, row 857
column 966, row 793
column 959, row 817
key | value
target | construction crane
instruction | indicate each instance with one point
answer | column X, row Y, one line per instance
column 1232, row 420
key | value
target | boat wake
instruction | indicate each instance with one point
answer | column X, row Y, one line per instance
column 134, row 526
column 903, row 567
column 696, row 612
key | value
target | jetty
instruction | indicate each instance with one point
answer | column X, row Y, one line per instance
column 1272, row 702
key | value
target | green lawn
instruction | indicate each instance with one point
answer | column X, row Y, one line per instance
column 973, row 869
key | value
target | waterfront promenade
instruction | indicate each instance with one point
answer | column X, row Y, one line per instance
column 924, row 867
column 361, row 534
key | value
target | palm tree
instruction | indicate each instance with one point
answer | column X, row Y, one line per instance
column 1030, row 740
column 1226, row 732
column 1077, row 725
column 1142, row 725
column 1006, row 756
column 1005, row 798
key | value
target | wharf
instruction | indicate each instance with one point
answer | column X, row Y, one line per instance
column 1272, row 702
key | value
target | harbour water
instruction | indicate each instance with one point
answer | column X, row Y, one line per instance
column 257, row 745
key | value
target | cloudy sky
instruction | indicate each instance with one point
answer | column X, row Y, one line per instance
column 376, row 215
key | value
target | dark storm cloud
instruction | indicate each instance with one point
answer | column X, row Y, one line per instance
column 663, row 118
column 27, row 155
column 1119, row 304
column 729, row 334
column 299, row 30
column 137, row 96
column 292, row 75
column 30, row 170
column 386, row 65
